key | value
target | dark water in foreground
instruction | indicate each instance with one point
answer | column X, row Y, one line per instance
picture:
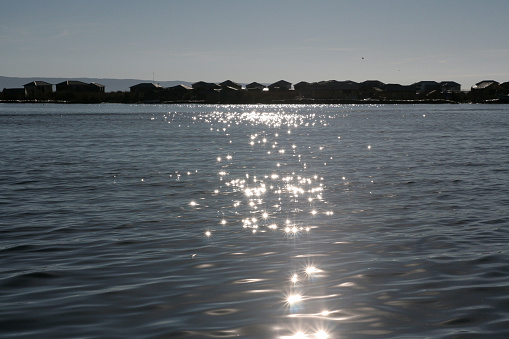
column 254, row 221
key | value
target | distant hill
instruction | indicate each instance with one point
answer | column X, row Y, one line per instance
column 111, row 85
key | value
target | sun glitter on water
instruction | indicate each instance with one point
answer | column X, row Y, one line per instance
column 277, row 198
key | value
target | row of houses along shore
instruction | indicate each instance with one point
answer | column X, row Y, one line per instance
column 230, row 92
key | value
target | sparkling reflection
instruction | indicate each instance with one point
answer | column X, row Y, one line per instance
column 293, row 298
column 319, row 334
column 295, row 278
column 280, row 197
column 311, row 269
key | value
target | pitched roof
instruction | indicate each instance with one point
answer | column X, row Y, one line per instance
column 371, row 84
column 181, row 86
column 426, row 82
column 230, row 83
column 336, row 85
column 146, row 85
column 301, row 84
column 38, row 83
column 281, row 83
column 72, row 83
column 14, row 90
column 449, row 83
column 206, row 85
column 255, row 85
column 484, row 84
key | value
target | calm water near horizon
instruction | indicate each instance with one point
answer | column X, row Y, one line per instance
column 254, row 221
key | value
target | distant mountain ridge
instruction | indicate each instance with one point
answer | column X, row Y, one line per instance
column 111, row 85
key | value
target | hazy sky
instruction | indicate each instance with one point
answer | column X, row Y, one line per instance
column 394, row 41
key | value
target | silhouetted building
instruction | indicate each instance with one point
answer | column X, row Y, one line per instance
column 505, row 86
column 486, row 90
column 332, row 89
column 205, row 86
column 179, row 92
column 229, row 95
column 450, row 87
column 368, row 84
column 485, row 84
column 180, row 89
column 399, row 92
column 95, row 87
column 346, row 89
column 78, row 86
column 229, row 83
column 38, row 89
column 254, row 86
column 302, row 87
column 371, row 89
column 280, row 85
column 145, row 87
column 14, row 93
column 423, row 87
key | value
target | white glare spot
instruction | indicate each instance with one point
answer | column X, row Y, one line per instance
column 299, row 335
column 310, row 270
column 294, row 298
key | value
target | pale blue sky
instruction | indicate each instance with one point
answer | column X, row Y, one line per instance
column 401, row 41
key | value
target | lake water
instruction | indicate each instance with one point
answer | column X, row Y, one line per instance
column 252, row 221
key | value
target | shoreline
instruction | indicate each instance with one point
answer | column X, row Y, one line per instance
column 274, row 102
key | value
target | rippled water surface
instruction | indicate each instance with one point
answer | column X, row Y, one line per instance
column 189, row 221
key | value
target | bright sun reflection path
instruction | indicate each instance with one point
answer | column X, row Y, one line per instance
column 278, row 192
